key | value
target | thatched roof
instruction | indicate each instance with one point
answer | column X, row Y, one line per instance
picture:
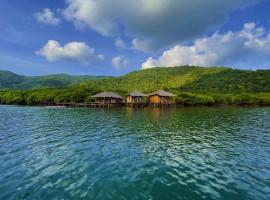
column 162, row 93
column 107, row 95
column 137, row 94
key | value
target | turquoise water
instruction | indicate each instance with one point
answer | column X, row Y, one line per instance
column 183, row 153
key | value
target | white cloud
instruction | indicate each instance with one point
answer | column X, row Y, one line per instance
column 47, row 17
column 249, row 45
column 119, row 62
column 119, row 43
column 152, row 24
column 77, row 51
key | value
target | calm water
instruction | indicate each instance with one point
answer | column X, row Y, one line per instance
column 188, row 153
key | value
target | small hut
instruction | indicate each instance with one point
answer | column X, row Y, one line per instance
column 136, row 98
column 108, row 98
column 162, row 98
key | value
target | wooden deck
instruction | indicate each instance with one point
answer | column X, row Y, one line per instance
column 137, row 105
column 110, row 105
column 162, row 105
column 90, row 105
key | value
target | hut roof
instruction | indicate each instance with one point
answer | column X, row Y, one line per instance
column 137, row 94
column 162, row 93
column 107, row 95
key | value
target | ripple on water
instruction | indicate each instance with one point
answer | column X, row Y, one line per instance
column 188, row 153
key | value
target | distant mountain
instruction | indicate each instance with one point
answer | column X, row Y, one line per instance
column 175, row 79
column 9, row 80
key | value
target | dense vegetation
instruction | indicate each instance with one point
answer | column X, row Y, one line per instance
column 190, row 79
column 193, row 86
column 9, row 80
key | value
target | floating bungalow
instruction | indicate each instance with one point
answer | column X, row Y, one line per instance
column 136, row 99
column 108, row 99
column 162, row 98
column 159, row 98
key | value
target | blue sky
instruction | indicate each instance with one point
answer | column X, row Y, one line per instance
column 80, row 36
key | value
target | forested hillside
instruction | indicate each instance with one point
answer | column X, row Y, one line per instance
column 192, row 79
column 9, row 80
column 192, row 85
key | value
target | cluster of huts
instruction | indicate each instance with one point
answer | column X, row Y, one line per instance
column 135, row 99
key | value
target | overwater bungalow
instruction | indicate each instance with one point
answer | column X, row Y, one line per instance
column 162, row 98
column 137, row 99
column 108, row 98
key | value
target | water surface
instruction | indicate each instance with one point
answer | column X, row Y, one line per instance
column 183, row 153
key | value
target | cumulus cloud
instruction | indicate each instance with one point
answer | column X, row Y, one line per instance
column 152, row 24
column 119, row 43
column 250, row 44
column 47, row 17
column 77, row 51
column 119, row 62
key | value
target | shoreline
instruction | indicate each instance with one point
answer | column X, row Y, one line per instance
column 138, row 108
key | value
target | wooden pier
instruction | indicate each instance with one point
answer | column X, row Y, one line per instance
column 112, row 105
column 89, row 105
column 161, row 105
column 159, row 98
column 137, row 105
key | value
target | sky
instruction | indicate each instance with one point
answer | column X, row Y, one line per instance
column 114, row 37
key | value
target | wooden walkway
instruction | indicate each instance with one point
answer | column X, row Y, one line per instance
column 137, row 105
column 110, row 105
column 90, row 105
column 160, row 105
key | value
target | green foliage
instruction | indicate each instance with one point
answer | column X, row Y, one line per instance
column 12, row 97
column 189, row 79
column 192, row 85
column 89, row 99
column 187, row 98
column 244, row 98
column 264, row 98
column 251, row 99
column 48, row 96
column 9, row 80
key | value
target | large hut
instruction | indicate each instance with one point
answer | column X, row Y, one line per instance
column 162, row 98
column 136, row 99
column 108, row 98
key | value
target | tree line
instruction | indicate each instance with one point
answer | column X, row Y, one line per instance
column 83, row 94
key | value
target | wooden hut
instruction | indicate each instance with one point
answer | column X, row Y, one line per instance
column 162, row 98
column 137, row 99
column 108, row 98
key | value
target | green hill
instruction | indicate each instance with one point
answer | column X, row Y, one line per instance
column 9, row 80
column 192, row 85
column 189, row 78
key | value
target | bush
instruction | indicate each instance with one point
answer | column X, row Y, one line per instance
column 194, row 99
column 264, row 98
column 245, row 99
column 13, row 98
column 89, row 99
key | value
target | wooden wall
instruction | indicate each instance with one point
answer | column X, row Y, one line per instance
column 155, row 99
column 128, row 99
column 162, row 100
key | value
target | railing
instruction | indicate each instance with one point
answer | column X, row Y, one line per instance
column 94, row 104
column 107, row 104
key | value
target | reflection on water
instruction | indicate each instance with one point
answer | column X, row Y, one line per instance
column 176, row 153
